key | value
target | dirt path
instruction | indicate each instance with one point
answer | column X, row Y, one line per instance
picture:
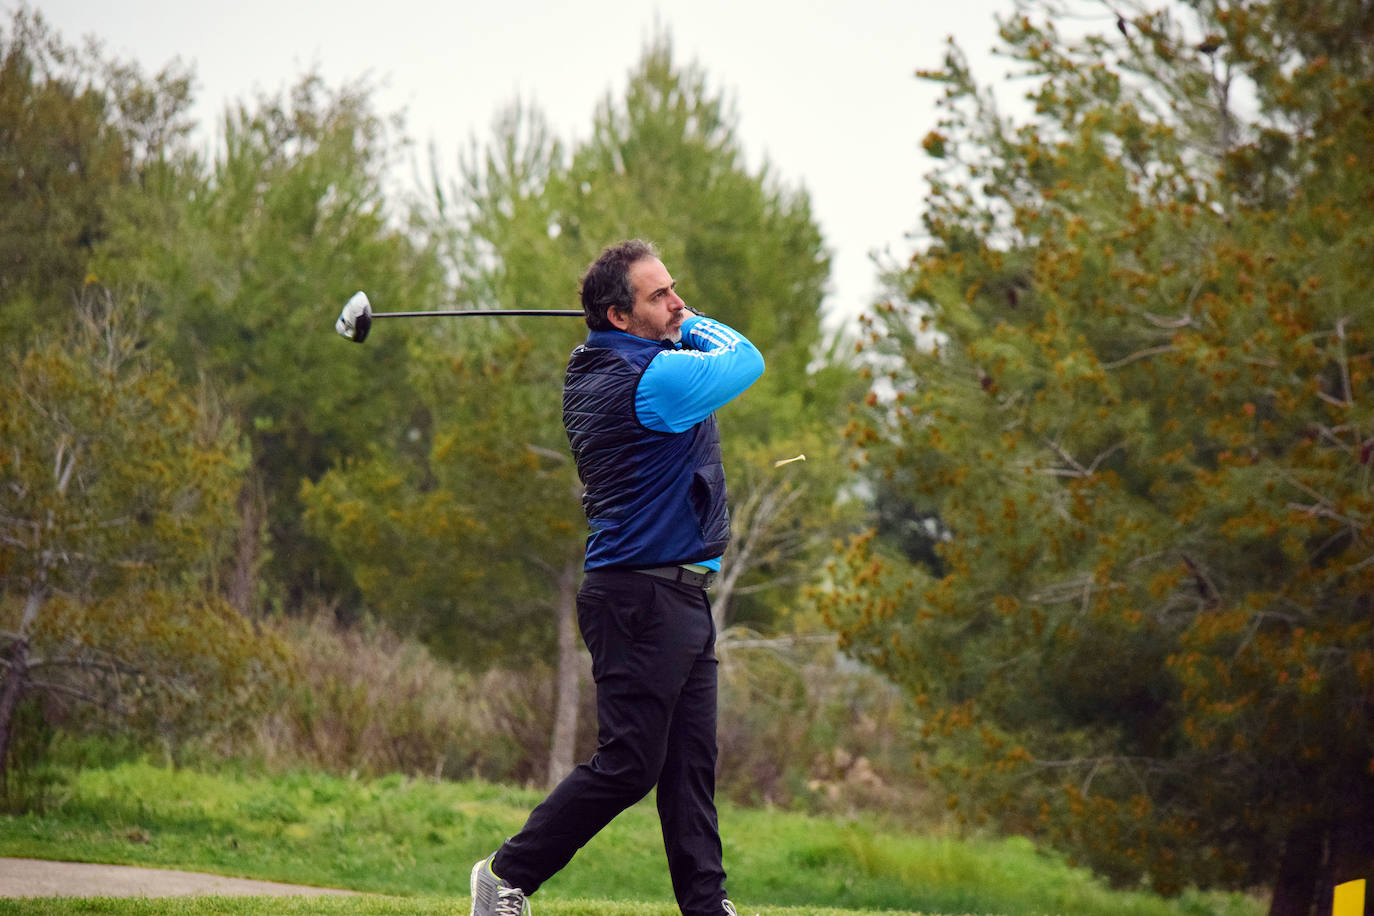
column 40, row 878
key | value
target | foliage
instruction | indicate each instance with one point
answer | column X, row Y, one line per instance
column 364, row 700
column 666, row 163
column 447, row 549
column 468, row 535
column 415, row 838
column 472, row 536
column 423, row 479
column 803, row 728
column 116, row 500
column 174, row 667
column 480, row 516
column 800, row 728
column 80, row 135
column 64, row 151
column 1128, row 377
column 244, row 278
column 240, row 261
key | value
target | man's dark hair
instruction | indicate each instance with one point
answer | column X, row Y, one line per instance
column 606, row 283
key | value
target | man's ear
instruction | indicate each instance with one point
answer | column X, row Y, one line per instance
column 618, row 318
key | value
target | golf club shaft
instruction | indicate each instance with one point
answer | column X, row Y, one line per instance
column 466, row 313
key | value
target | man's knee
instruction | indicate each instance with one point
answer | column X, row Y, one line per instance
column 633, row 775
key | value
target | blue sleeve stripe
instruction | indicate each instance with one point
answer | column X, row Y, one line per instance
column 717, row 333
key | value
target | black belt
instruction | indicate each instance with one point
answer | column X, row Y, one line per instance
column 682, row 574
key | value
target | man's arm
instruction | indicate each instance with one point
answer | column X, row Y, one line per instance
column 683, row 387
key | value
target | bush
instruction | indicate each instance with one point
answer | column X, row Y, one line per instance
column 800, row 727
column 363, row 700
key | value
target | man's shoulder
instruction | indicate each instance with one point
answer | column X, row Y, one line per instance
column 612, row 347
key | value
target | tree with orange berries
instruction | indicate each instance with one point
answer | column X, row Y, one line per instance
column 1127, row 387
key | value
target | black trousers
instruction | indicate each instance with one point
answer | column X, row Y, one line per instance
column 652, row 644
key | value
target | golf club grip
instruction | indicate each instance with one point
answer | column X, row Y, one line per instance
column 469, row 313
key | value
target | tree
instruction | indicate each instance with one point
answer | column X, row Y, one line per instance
column 473, row 546
column 77, row 131
column 243, row 280
column 524, row 220
column 666, row 163
column 510, row 200
column 1128, row 378
column 116, row 501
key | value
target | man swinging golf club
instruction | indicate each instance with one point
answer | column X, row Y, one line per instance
column 638, row 404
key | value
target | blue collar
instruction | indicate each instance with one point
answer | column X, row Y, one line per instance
column 619, row 340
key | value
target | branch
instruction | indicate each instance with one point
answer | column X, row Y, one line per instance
column 112, row 704
column 549, row 453
column 1332, row 435
column 1335, row 402
column 774, row 643
column 1061, row 592
column 33, row 603
column 1101, row 456
column 1065, row 457
column 1319, row 511
column 1160, row 321
column 112, row 666
column 1345, row 365
column 1310, row 491
column 1132, row 765
column 1206, row 590
column 64, row 474
column 14, row 542
column 1139, row 355
column 778, row 581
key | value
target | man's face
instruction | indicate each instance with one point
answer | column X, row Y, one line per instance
column 657, row 313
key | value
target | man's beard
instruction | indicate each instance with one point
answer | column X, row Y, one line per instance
column 640, row 328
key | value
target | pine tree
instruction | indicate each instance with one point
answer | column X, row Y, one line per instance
column 1127, row 382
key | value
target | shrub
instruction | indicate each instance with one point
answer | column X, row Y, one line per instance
column 803, row 726
column 368, row 700
column 800, row 725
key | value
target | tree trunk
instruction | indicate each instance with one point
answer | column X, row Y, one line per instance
column 1299, row 870
column 563, row 745
column 1350, row 852
column 248, row 554
column 16, row 684
column 17, row 681
column 723, row 592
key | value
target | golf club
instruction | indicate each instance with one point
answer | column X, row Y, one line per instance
column 355, row 321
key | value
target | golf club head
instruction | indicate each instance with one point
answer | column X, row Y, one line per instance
column 356, row 318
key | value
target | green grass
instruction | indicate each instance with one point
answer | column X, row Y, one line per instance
column 371, row 906
column 414, row 841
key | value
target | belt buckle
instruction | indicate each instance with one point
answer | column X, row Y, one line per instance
column 680, row 573
column 699, row 579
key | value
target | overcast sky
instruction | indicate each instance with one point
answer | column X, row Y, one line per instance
column 825, row 91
